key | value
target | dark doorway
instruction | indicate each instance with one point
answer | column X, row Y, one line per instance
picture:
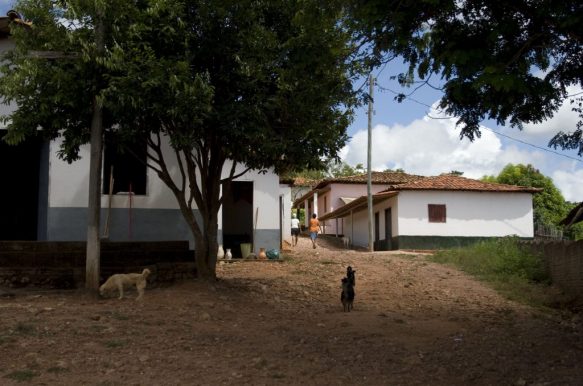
column 19, row 191
column 388, row 228
column 377, row 227
column 237, row 216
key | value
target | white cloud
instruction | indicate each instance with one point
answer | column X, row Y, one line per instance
column 569, row 182
column 432, row 146
column 563, row 120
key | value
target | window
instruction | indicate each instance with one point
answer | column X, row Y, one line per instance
column 129, row 167
column 436, row 212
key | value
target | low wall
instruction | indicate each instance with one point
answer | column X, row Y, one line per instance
column 564, row 260
column 62, row 264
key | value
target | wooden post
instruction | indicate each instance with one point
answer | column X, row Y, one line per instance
column 93, row 257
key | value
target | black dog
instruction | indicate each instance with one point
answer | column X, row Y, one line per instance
column 347, row 296
column 350, row 275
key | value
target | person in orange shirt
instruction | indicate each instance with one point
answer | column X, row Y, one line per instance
column 314, row 229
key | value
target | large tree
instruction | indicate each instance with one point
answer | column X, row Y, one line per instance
column 511, row 61
column 262, row 84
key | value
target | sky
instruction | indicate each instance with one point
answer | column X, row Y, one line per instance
column 406, row 135
column 415, row 136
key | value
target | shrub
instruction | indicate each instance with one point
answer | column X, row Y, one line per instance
column 502, row 259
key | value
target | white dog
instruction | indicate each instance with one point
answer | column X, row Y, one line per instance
column 121, row 280
column 346, row 242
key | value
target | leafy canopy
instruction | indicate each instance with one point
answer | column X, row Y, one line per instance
column 262, row 84
column 510, row 61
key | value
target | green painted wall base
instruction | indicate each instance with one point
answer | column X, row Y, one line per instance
column 436, row 242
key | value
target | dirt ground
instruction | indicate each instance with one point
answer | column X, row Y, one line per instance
column 281, row 323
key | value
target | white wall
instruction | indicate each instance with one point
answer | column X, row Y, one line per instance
column 477, row 214
column 68, row 184
column 286, row 197
column 487, row 214
column 265, row 196
column 68, row 188
column 358, row 231
column 333, row 202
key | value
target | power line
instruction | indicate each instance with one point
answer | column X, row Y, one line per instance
column 487, row 128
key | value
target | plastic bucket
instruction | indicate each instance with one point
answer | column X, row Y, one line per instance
column 245, row 249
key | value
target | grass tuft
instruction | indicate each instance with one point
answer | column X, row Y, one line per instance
column 511, row 270
column 115, row 343
column 24, row 329
column 21, row 375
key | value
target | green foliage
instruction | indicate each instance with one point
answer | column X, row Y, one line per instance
column 21, row 375
column 25, row 329
column 342, row 169
column 512, row 270
column 264, row 84
column 490, row 55
column 115, row 343
column 500, row 259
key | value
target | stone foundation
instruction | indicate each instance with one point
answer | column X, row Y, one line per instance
column 62, row 264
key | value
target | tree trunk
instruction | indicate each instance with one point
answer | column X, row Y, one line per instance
column 207, row 246
column 93, row 257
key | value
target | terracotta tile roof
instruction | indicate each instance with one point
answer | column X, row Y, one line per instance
column 376, row 178
column 385, row 178
column 451, row 182
column 298, row 181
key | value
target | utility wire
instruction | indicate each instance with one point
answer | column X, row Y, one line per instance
column 487, row 128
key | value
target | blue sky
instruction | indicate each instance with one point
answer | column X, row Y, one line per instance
column 5, row 6
column 406, row 136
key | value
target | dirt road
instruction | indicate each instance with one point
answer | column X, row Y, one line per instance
column 281, row 323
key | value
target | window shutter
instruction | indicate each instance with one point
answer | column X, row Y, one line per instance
column 436, row 212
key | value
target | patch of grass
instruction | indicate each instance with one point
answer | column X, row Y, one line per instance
column 514, row 272
column 6, row 339
column 21, row 375
column 328, row 262
column 115, row 343
column 57, row 370
column 25, row 329
column 98, row 328
column 118, row 316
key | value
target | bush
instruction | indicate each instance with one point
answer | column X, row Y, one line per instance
column 513, row 271
column 502, row 258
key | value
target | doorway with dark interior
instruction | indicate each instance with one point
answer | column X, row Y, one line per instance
column 237, row 216
column 20, row 173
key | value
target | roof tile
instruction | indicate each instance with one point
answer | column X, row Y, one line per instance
column 451, row 182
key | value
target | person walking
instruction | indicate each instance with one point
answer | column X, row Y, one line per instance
column 314, row 229
column 295, row 229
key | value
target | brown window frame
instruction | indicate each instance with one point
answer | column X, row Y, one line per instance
column 437, row 213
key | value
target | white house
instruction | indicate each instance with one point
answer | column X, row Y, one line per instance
column 46, row 198
column 436, row 212
column 332, row 193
